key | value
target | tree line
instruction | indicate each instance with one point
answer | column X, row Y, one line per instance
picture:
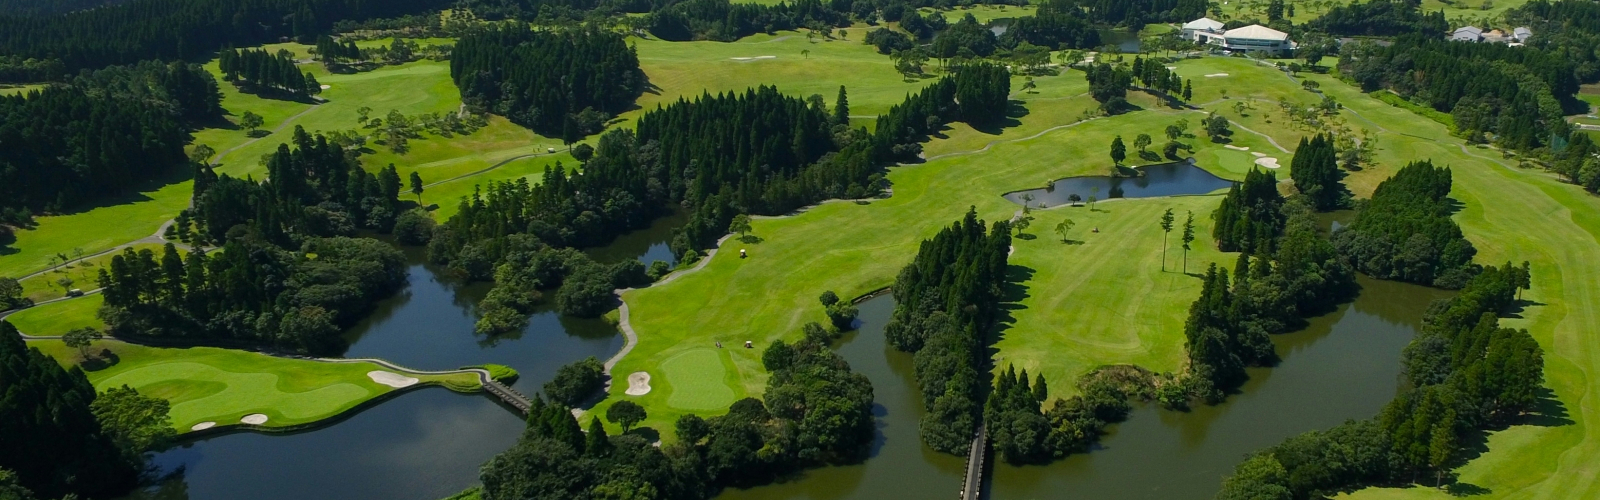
column 139, row 30
column 100, row 135
column 1467, row 374
column 947, row 300
column 265, row 70
column 1405, row 232
column 1057, row 25
column 814, row 411
column 62, row 439
column 1381, row 18
column 1251, row 215
column 287, row 274
column 723, row 20
column 548, row 81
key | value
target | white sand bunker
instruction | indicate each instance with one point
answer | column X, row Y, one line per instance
column 391, row 379
column 638, row 384
column 1268, row 162
column 1235, row 148
column 1216, row 75
column 1258, row 155
column 326, row 87
column 753, row 58
column 254, row 419
column 203, row 426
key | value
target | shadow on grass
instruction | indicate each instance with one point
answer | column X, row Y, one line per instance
column 106, row 359
column 1012, row 293
column 135, row 193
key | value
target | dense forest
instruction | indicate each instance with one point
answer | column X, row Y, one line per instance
column 1137, row 13
column 559, row 83
column 1316, row 174
column 1381, row 18
column 287, row 274
column 101, row 134
column 1228, row 325
column 726, row 21
column 1057, row 25
column 1467, row 374
column 1251, row 215
column 48, row 7
column 1405, row 232
column 1514, row 96
column 60, row 438
column 265, row 71
column 947, row 300
column 816, row 412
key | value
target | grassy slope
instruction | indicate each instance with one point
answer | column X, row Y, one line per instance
column 56, row 318
column 1516, row 215
column 221, row 385
column 854, row 249
column 83, row 274
column 1458, row 12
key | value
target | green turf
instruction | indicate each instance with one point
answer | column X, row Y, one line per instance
column 696, row 380
column 222, row 385
column 19, row 89
column 1457, row 12
column 853, row 249
column 59, row 317
column 94, row 230
column 82, row 272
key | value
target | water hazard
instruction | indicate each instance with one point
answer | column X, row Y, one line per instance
column 1165, row 179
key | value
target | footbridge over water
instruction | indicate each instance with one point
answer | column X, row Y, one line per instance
column 508, row 395
column 972, row 487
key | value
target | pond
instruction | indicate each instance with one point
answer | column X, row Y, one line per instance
column 1164, row 179
column 421, row 445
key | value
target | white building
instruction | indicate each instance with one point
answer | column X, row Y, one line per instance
column 1201, row 29
column 1467, row 34
column 1522, row 34
column 1254, row 38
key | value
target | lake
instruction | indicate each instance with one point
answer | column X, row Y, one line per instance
column 1164, row 179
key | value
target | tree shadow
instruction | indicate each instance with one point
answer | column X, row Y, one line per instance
column 1460, row 489
column 1517, row 307
column 106, row 359
column 136, row 192
column 1014, row 111
column 1026, row 236
column 1012, row 293
column 650, row 434
column 1148, row 155
column 750, row 239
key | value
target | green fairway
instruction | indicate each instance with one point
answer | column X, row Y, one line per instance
column 83, row 274
column 19, row 89
column 59, row 317
column 695, row 378
column 857, row 248
column 223, row 385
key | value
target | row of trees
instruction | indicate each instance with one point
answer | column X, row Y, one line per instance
column 1468, row 374
column 60, row 438
column 545, row 80
column 265, row 70
column 816, row 412
column 946, row 303
column 1316, row 174
column 1380, row 18
column 139, row 30
column 1405, row 231
column 1155, row 76
column 100, row 135
column 727, row 21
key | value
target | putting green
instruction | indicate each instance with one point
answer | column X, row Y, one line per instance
column 241, row 393
column 696, row 381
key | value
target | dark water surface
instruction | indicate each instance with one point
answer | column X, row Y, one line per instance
column 1164, row 179
column 901, row 467
column 422, row 445
column 1346, row 365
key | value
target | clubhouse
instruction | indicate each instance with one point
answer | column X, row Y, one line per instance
column 1254, row 38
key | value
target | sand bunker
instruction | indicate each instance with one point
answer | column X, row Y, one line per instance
column 1267, row 162
column 638, row 384
column 753, row 58
column 391, row 379
column 326, row 87
column 254, row 419
column 1216, row 75
column 1258, row 155
column 203, row 426
column 1235, row 148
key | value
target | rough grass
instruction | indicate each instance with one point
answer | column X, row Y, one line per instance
column 59, row 317
column 222, row 385
column 83, row 273
column 1458, row 12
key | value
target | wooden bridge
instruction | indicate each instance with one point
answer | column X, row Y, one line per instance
column 972, row 487
column 508, row 395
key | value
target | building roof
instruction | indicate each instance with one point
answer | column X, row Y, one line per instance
column 1473, row 30
column 1522, row 32
column 1256, row 32
column 1203, row 24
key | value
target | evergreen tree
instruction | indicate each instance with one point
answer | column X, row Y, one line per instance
column 841, row 108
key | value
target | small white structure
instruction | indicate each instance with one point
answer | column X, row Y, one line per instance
column 1467, row 34
column 1200, row 30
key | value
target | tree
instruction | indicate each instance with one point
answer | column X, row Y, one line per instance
column 201, row 154
column 416, row 185
column 1074, row 199
column 1188, row 90
column 828, row 298
column 625, row 414
column 1188, row 237
column 582, row 153
column 1166, row 230
column 65, row 282
column 596, row 442
column 1141, row 142
column 740, row 224
column 841, row 108
column 136, row 423
column 10, row 293
column 1022, row 223
column 251, row 121
column 575, row 382
column 1216, row 127
column 1063, row 227
column 1173, row 132
column 1119, row 151
column 1274, row 10
column 81, row 339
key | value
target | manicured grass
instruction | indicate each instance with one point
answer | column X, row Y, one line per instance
column 696, row 378
column 1458, row 12
column 95, row 230
column 222, row 385
column 83, row 273
column 983, row 13
column 1427, row 112
column 857, row 248
column 1512, row 214
column 20, row 89
column 59, row 317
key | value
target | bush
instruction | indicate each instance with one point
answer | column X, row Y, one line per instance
column 658, row 269
column 576, row 381
column 843, row 315
column 587, row 292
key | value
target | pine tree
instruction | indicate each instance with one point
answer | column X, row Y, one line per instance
column 1188, row 237
column 1166, row 229
column 841, row 108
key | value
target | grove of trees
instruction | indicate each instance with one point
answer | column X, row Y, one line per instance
column 1405, row 232
column 560, row 83
column 265, row 71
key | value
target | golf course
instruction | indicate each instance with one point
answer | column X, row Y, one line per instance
column 1089, row 284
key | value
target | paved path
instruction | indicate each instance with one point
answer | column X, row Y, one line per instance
column 216, row 160
column 631, row 338
column 973, row 484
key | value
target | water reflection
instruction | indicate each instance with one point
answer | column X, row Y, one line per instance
column 1165, row 179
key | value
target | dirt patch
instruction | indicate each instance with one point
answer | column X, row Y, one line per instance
column 638, row 384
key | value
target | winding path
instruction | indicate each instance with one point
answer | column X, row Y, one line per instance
column 218, row 158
